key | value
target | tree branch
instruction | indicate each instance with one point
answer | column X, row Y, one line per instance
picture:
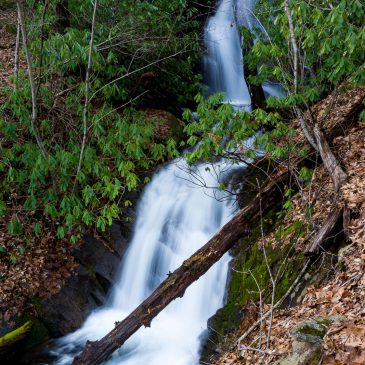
column 87, row 86
column 294, row 45
column 33, row 91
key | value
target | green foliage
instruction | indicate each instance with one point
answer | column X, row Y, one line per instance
column 222, row 132
column 305, row 174
column 15, row 227
column 140, row 48
column 330, row 37
column 155, row 42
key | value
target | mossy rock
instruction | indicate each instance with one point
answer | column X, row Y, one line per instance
column 166, row 124
column 311, row 331
column 27, row 333
column 249, row 269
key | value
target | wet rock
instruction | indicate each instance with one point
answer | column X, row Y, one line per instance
column 86, row 289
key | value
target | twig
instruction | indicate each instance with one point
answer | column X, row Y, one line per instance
column 139, row 69
column 119, row 107
column 16, row 54
column 63, row 92
column 33, row 91
column 248, row 348
column 294, row 45
column 87, row 86
column 41, row 37
column 268, row 313
column 270, row 274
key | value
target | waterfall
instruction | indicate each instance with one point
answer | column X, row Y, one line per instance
column 223, row 60
column 175, row 217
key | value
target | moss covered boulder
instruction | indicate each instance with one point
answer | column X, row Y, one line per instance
column 308, row 341
column 166, row 124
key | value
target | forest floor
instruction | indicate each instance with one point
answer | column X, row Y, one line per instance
column 7, row 45
column 33, row 267
column 340, row 294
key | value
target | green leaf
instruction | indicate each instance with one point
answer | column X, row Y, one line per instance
column 60, row 232
column 37, row 229
column 15, row 227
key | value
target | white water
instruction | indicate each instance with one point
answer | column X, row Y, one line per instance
column 223, row 61
column 246, row 17
column 175, row 218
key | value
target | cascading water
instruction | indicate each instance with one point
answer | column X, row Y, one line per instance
column 175, row 218
column 223, row 61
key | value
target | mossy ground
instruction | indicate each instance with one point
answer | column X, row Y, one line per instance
column 250, row 271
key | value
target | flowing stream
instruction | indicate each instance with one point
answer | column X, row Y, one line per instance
column 175, row 217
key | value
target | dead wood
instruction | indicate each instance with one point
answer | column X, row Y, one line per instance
column 327, row 230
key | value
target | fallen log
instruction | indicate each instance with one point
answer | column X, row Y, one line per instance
column 327, row 230
column 339, row 177
column 193, row 268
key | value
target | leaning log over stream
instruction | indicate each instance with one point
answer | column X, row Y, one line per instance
column 193, row 268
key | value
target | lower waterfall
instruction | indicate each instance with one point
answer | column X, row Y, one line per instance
column 175, row 217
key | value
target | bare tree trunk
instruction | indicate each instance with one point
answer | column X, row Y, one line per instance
column 33, row 90
column 327, row 231
column 329, row 160
column 311, row 131
column 305, row 128
column 294, row 45
column 87, row 87
column 16, row 55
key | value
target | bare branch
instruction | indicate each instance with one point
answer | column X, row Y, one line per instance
column 33, row 91
column 139, row 69
column 16, row 55
column 87, row 86
column 294, row 45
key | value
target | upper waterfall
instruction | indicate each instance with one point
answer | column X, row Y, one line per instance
column 223, row 60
